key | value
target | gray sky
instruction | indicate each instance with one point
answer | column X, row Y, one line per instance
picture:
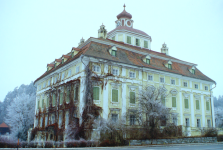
column 34, row 33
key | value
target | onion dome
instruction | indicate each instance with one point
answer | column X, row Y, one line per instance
column 124, row 14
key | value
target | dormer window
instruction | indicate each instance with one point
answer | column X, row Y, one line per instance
column 113, row 51
column 147, row 59
column 113, row 38
column 137, row 42
column 193, row 71
column 169, row 66
column 145, row 44
column 129, row 39
column 62, row 60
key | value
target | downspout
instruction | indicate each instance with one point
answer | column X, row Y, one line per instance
column 211, row 104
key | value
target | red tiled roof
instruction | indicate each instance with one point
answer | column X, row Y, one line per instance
column 66, row 56
column 124, row 14
column 3, row 125
column 77, row 49
column 129, row 29
column 58, row 60
column 50, row 65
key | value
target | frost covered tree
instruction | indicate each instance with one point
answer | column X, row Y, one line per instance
column 20, row 115
column 219, row 117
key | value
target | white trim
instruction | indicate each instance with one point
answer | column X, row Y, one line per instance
column 124, row 101
column 181, row 109
column 105, row 101
column 192, row 109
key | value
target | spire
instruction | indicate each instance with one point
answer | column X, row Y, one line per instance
column 124, row 6
column 165, row 49
column 102, row 32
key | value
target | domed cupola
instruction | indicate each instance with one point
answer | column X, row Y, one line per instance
column 124, row 14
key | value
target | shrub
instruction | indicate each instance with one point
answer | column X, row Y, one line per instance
column 210, row 132
column 220, row 138
column 32, row 144
column 49, row 144
column 72, row 144
column 82, row 143
column 108, row 143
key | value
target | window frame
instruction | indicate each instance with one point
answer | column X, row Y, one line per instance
column 198, row 123
column 193, row 71
column 69, row 73
column 116, row 70
column 130, row 97
column 77, row 69
column 197, row 106
column 206, row 88
column 185, row 84
column 169, row 66
column 114, row 118
column 187, row 103
column 132, row 120
column 173, row 83
column 112, row 95
column 175, row 121
column 161, row 80
column 196, row 86
column 146, row 45
column 137, row 42
column 114, row 53
column 187, row 122
column 98, row 93
column 175, row 100
column 148, row 77
column 148, row 61
column 128, row 39
column 209, row 123
column 96, row 68
column 133, row 73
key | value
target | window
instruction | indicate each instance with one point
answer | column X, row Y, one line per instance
column 62, row 77
column 137, row 42
column 147, row 60
column 173, row 82
column 187, row 122
column 42, row 103
column 46, row 120
column 129, row 41
column 193, row 71
column 132, row 97
column 207, row 106
column 197, row 105
column 185, row 84
column 52, row 119
column 150, row 77
column 209, row 123
column 113, row 38
column 196, row 86
column 115, row 118
column 113, row 53
column 198, row 123
column 114, row 95
column 76, row 93
column 61, row 98
column 77, row 69
column 49, row 82
column 145, row 44
column 60, row 120
column 69, row 73
column 186, row 103
column 54, row 100
column 132, row 119
column 163, row 121
column 44, row 84
column 96, row 69
column 132, row 74
column 206, row 88
column 175, row 121
column 174, row 102
column 169, row 66
column 41, row 121
column 115, row 72
column 68, row 95
column 55, row 79
column 95, row 93
column 66, row 120
column 163, row 100
column 47, row 102
column 162, row 80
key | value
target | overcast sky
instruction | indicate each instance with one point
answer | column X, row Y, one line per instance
column 34, row 33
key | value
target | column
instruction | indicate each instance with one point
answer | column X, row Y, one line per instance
column 105, row 100
column 202, row 109
column 181, row 109
column 192, row 109
column 212, row 109
column 82, row 97
column 123, row 100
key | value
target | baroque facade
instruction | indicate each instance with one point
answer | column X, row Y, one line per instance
column 124, row 58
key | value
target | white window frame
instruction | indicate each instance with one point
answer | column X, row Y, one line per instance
column 49, row 82
column 185, row 84
column 206, row 88
column 96, row 68
column 133, row 74
column 62, row 76
column 161, row 80
column 173, row 82
column 149, row 77
column 116, row 118
column 187, row 122
column 115, row 70
column 77, row 69
column 69, row 72
column 118, row 94
column 196, row 86
column 144, row 44
column 138, row 42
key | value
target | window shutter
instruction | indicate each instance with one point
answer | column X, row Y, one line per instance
column 197, row 104
column 132, row 97
column 174, row 103
column 68, row 96
column 114, row 95
column 96, row 93
column 186, row 103
column 207, row 106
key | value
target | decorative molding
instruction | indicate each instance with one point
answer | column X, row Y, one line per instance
column 115, row 85
column 187, row 114
column 208, row 116
column 197, row 96
column 114, row 109
column 207, row 98
column 197, row 115
column 174, row 92
column 186, row 95
column 132, row 87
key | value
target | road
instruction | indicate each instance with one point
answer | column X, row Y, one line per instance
column 197, row 146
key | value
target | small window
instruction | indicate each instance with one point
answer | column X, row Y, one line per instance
column 207, row 106
column 187, row 122
column 63, row 75
column 162, row 80
column 55, row 79
column 49, row 82
column 132, row 97
column 115, row 118
column 132, row 119
column 52, row 119
column 41, row 121
column 198, row 123
column 206, row 88
column 197, row 104
column 113, row 53
column 196, row 86
column 47, row 102
column 60, row 120
column 66, row 119
column 115, row 72
column 68, row 95
column 145, row 44
column 77, row 69
column 76, row 93
column 96, row 69
column 186, row 104
column 169, row 66
column 46, row 120
column 114, row 95
column 69, row 73
column 209, row 123
column 173, row 82
column 42, row 103
column 185, row 84
column 175, row 121
column 174, row 102
column 129, row 39
column 150, row 77
column 147, row 61
column 132, row 74
column 95, row 93
column 113, row 38
column 137, row 42
column 44, row 84
column 62, row 60
column 193, row 71
column 54, row 100
column 61, row 98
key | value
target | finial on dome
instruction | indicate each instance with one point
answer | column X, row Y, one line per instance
column 124, row 6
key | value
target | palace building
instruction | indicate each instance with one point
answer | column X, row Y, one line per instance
column 126, row 61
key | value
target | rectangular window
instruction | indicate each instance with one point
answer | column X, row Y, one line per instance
column 115, row 72
column 54, row 100
column 96, row 93
column 207, row 106
column 115, row 118
column 114, row 95
column 66, row 120
column 145, row 44
column 147, row 60
column 46, row 120
column 185, row 84
column 209, row 123
column 113, row 53
column 193, row 71
column 196, row 86
column 169, row 66
column 55, row 79
column 113, row 38
column 174, row 102
column 61, row 98
column 198, row 123
column 38, row 105
column 137, row 42
column 206, row 88
column 129, row 41
column 68, row 96
column 52, row 119
column 60, row 120
column 197, row 105
column 187, row 122
column 47, row 102
column 163, row 100
column 132, row 119
column 175, row 121
column 186, row 103
column 41, row 121
column 49, row 82
column 173, row 82
column 42, row 103
column 44, row 84
column 132, row 74
column 63, row 75
column 162, row 80
column 132, row 97
column 77, row 69
column 150, row 77
column 69, row 73
column 76, row 93
column 96, row 69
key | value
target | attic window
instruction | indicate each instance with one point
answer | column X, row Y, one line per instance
column 137, row 42
column 169, row 66
column 147, row 60
column 193, row 71
column 145, row 44
column 129, row 39
column 113, row 51
column 62, row 60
